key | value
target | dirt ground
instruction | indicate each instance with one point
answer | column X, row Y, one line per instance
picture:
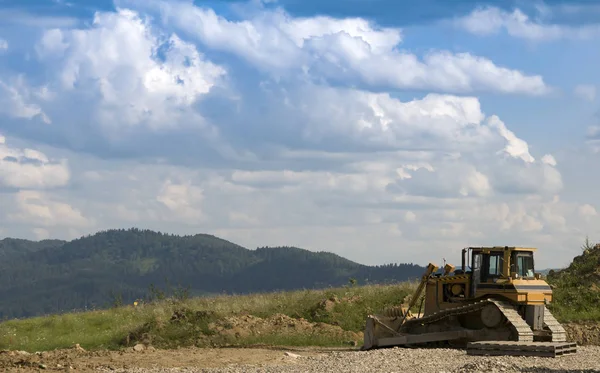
column 141, row 356
column 77, row 359
column 237, row 360
column 586, row 333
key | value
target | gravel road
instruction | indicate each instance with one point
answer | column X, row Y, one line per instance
column 403, row 360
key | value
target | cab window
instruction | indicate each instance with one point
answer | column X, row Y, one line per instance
column 522, row 264
column 492, row 266
column 495, row 267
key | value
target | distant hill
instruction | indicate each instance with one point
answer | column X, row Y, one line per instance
column 547, row 270
column 53, row 276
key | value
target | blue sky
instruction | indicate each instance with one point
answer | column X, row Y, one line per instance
column 384, row 132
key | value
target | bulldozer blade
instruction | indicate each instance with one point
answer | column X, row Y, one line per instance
column 380, row 332
column 378, row 327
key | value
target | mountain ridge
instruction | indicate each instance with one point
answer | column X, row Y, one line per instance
column 54, row 276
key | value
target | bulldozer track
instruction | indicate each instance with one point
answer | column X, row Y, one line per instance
column 437, row 316
column 522, row 329
column 558, row 332
column 524, row 332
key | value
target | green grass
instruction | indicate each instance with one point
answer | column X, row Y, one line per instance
column 108, row 329
column 577, row 287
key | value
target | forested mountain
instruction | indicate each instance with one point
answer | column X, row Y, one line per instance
column 52, row 276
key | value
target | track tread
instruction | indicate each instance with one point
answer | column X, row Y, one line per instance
column 558, row 332
column 524, row 332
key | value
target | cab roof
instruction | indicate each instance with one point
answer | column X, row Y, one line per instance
column 502, row 248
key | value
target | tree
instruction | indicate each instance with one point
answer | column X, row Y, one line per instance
column 587, row 245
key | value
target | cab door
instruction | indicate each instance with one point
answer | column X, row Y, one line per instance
column 476, row 276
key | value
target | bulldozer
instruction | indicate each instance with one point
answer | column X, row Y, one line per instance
column 495, row 304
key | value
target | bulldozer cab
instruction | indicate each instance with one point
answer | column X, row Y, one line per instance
column 497, row 272
column 490, row 265
column 508, row 272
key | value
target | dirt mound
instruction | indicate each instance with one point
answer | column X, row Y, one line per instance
column 208, row 329
column 584, row 333
column 278, row 324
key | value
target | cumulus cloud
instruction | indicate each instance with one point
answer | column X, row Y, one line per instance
column 124, row 75
column 136, row 75
column 39, row 209
column 347, row 51
column 359, row 120
column 376, row 119
column 515, row 147
column 28, row 168
column 182, row 200
column 491, row 20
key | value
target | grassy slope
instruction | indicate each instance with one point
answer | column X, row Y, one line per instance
column 577, row 288
column 108, row 328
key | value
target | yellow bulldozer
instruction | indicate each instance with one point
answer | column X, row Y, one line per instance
column 495, row 304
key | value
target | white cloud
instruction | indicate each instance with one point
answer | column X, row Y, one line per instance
column 348, row 50
column 515, row 147
column 313, row 209
column 362, row 119
column 410, row 216
column 141, row 76
column 28, row 168
column 476, row 183
column 549, row 160
column 3, row 45
column 491, row 20
column 39, row 209
column 182, row 200
column 52, row 43
column 585, row 91
column 587, row 210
